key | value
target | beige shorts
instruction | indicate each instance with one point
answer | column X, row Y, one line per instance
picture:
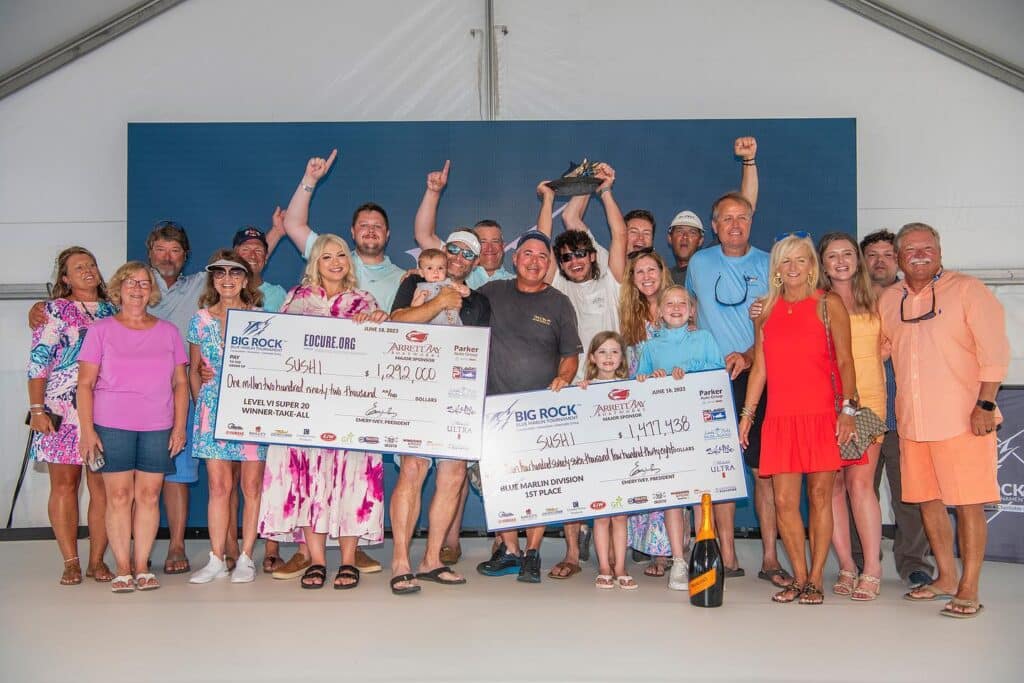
column 957, row 471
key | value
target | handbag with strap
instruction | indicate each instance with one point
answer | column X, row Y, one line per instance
column 867, row 426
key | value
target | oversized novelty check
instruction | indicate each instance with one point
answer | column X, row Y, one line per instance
column 613, row 448
column 330, row 383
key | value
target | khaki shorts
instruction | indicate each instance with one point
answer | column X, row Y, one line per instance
column 957, row 471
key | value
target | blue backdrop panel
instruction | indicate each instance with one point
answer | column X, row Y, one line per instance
column 1006, row 519
column 213, row 178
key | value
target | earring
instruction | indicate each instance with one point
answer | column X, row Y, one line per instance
column 811, row 280
column 777, row 280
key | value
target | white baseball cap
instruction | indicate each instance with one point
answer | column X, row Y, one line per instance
column 467, row 238
column 686, row 219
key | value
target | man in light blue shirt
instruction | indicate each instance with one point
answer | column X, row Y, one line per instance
column 726, row 279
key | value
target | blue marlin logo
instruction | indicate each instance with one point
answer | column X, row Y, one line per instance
column 256, row 328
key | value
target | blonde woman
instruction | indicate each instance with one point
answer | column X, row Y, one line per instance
column 133, row 407
column 326, row 492
column 806, row 366
column 844, row 272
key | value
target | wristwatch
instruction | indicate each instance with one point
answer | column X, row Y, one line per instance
column 986, row 405
column 850, row 406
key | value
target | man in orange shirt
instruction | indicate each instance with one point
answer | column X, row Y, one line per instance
column 950, row 353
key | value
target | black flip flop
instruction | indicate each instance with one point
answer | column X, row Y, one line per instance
column 769, row 575
column 408, row 590
column 434, row 576
column 314, row 571
column 346, row 571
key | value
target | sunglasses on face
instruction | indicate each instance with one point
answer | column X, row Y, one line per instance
column 455, row 250
column 639, row 252
column 567, row 256
column 221, row 273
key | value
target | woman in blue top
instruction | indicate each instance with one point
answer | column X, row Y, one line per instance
column 676, row 349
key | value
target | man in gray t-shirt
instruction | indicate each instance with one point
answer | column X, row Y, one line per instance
column 534, row 345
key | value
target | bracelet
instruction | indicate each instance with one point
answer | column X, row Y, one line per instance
column 750, row 162
column 747, row 412
column 603, row 190
column 36, row 405
column 307, row 188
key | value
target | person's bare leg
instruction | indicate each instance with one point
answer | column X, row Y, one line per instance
column 176, row 505
column 231, row 540
column 764, row 505
column 511, row 540
column 348, row 545
column 221, row 480
column 146, row 518
column 940, row 537
column 867, row 514
column 972, row 532
column 819, row 497
column 725, row 525
column 452, row 538
column 451, row 475
column 572, row 549
column 120, row 488
column 619, row 538
column 534, row 536
column 252, row 491
column 316, row 546
column 790, row 523
column 97, row 525
column 405, row 512
column 678, row 531
column 841, row 542
column 62, row 506
column 603, row 544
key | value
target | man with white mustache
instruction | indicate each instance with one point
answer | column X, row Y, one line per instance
column 910, row 546
column 950, row 353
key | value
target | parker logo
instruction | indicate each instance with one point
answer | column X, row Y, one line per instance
column 416, row 336
column 711, row 395
column 618, row 394
column 598, row 505
column 328, row 436
column 713, row 415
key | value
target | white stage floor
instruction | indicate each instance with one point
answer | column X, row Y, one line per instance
column 491, row 629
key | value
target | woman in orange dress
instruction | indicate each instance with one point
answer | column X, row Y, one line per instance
column 806, row 366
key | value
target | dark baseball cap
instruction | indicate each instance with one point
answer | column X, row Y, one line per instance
column 249, row 233
column 534, row 235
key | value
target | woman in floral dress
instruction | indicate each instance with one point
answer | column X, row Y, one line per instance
column 79, row 298
column 229, row 285
column 326, row 492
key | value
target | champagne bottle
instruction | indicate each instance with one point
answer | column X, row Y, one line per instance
column 707, row 575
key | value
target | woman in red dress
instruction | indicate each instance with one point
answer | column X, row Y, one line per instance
column 802, row 431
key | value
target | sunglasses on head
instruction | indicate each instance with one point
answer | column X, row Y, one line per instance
column 219, row 273
column 567, row 256
column 640, row 252
column 800, row 234
column 455, row 250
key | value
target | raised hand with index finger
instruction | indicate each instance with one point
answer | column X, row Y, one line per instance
column 317, row 168
column 436, row 180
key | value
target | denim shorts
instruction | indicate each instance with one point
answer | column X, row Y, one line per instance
column 126, row 450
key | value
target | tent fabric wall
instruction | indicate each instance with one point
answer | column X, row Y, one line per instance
column 936, row 141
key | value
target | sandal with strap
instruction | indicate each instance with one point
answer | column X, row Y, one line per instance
column 868, row 592
column 811, row 595
column 846, row 583
column 789, row 593
column 604, row 581
column 314, row 573
column 271, row 563
column 404, row 578
column 146, row 582
column 72, row 575
column 122, row 584
column 100, row 572
column 346, row 571
column 626, row 582
column 962, row 609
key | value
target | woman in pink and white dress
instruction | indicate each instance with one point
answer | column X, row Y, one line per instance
column 322, row 491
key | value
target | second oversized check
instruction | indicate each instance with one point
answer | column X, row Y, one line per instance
column 613, row 448
column 331, row 383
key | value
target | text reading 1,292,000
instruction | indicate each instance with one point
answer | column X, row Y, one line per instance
column 405, row 373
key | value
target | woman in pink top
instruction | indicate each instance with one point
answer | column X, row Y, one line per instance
column 132, row 406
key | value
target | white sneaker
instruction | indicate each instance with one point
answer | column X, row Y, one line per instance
column 678, row 579
column 214, row 569
column 245, row 570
